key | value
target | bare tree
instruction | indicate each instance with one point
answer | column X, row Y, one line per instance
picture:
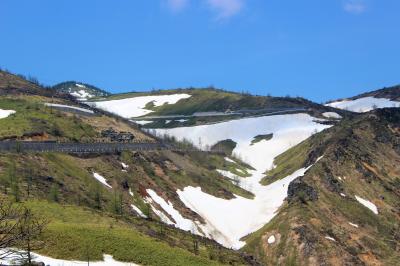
column 19, row 228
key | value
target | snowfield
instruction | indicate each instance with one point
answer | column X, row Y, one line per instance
column 69, row 107
column 6, row 113
column 101, row 179
column 227, row 221
column 364, row 104
column 332, row 115
column 288, row 130
column 367, row 204
column 135, row 107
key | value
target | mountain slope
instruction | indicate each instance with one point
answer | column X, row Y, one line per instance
column 81, row 91
column 345, row 209
column 137, row 190
column 386, row 97
column 175, row 108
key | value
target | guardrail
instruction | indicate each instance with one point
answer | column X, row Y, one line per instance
column 97, row 148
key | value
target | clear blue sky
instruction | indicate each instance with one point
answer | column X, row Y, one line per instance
column 319, row 49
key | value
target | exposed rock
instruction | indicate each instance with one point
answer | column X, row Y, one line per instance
column 299, row 190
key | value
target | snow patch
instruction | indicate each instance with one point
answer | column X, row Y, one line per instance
column 180, row 221
column 138, row 211
column 343, row 195
column 271, row 239
column 135, row 107
column 125, row 166
column 367, row 204
column 354, row 225
column 332, row 115
column 101, row 179
column 240, row 216
column 364, row 104
column 80, row 85
column 330, row 238
column 229, row 160
column 6, row 113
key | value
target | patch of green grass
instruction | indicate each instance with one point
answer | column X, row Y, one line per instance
column 288, row 162
column 259, row 138
column 76, row 233
column 33, row 117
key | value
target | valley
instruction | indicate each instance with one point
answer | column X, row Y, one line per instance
column 201, row 176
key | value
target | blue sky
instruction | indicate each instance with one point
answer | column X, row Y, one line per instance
column 318, row 49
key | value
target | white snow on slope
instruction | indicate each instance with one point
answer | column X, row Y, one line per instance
column 138, row 211
column 134, row 107
column 227, row 221
column 229, row 160
column 6, row 113
column 332, row 115
column 80, row 85
column 354, row 225
column 364, row 104
column 108, row 260
column 81, row 95
column 288, row 130
column 271, row 239
column 69, row 107
column 180, row 221
column 101, row 179
column 367, row 204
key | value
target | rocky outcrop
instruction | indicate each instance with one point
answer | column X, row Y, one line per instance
column 299, row 190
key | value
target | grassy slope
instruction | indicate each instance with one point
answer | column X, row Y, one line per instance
column 76, row 233
column 33, row 117
column 360, row 151
column 204, row 100
column 67, row 180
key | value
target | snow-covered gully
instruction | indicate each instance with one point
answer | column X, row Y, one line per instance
column 228, row 221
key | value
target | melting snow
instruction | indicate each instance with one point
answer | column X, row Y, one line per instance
column 138, row 211
column 69, row 107
column 364, row 104
column 367, row 204
column 271, row 239
column 6, row 113
column 181, row 222
column 229, row 160
column 330, row 238
column 80, row 85
column 101, row 179
column 227, row 221
column 82, row 95
column 355, row 225
column 108, row 260
column 134, row 107
column 331, row 115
